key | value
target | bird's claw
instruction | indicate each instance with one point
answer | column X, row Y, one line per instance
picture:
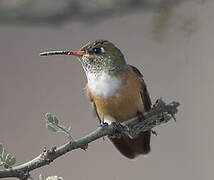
column 154, row 132
column 103, row 124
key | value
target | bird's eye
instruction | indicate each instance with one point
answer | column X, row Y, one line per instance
column 99, row 50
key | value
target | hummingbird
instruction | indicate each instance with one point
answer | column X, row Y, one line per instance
column 117, row 91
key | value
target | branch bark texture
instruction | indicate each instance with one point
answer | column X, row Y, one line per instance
column 159, row 114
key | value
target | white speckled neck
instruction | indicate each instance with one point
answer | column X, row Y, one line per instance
column 103, row 84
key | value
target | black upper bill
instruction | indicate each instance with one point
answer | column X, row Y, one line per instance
column 52, row 53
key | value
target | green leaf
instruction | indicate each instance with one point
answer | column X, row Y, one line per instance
column 51, row 128
column 41, row 177
column 49, row 117
column 6, row 159
column 55, row 120
column 10, row 160
column 54, row 178
column 1, row 149
column 3, row 155
column 52, row 123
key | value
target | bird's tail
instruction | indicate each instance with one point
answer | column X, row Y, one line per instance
column 131, row 148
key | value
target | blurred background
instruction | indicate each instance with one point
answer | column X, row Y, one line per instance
column 170, row 41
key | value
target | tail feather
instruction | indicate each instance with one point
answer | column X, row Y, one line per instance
column 131, row 148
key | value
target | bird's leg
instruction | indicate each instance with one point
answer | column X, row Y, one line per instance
column 102, row 124
column 120, row 130
column 140, row 116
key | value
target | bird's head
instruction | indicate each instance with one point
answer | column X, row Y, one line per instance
column 102, row 55
column 96, row 56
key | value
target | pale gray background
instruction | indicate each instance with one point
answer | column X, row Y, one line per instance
column 180, row 67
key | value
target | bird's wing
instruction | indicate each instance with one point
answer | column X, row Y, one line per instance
column 93, row 103
column 144, row 92
column 131, row 148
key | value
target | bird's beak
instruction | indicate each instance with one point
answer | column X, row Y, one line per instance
column 68, row 53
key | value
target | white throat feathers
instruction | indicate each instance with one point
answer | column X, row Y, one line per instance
column 103, row 85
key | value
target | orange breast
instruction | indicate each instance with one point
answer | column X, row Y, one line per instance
column 124, row 104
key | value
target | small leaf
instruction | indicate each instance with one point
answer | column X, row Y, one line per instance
column 49, row 117
column 52, row 123
column 8, row 156
column 1, row 149
column 10, row 160
column 51, row 128
column 54, row 178
column 6, row 159
column 55, row 120
column 3, row 155
column 41, row 177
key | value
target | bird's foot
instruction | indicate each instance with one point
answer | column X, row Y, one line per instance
column 103, row 124
column 120, row 130
column 154, row 132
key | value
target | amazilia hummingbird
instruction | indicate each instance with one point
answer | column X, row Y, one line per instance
column 116, row 90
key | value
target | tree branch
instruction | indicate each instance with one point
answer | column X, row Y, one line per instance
column 34, row 12
column 159, row 114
